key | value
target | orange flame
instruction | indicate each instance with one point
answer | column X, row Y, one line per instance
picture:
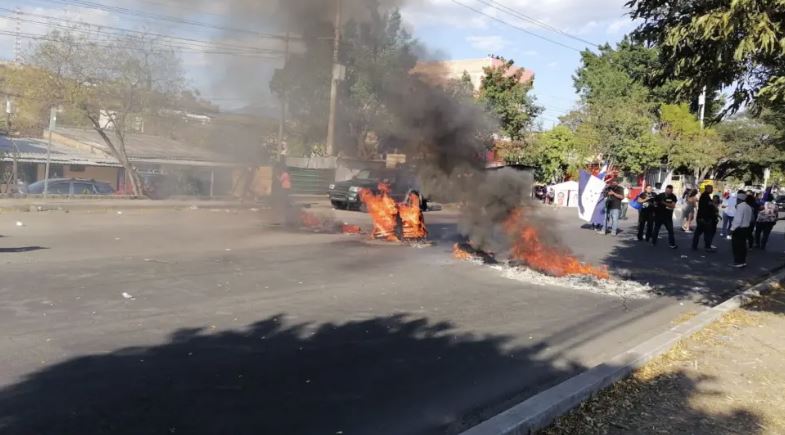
column 310, row 220
column 351, row 229
column 413, row 224
column 529, row 249
column 383, row 211
column 460, row 254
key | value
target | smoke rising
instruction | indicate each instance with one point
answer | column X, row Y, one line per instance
column 445, row 135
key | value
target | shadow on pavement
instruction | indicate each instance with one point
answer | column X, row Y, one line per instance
column 21, row 249
column 387, row 375
column 395, row 375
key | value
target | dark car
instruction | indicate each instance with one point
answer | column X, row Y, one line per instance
column 780, row 200
column 70, row 187
column 346, row 194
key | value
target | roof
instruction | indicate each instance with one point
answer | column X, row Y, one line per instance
column 34, row 151
column 148, row 148
column 438, row 72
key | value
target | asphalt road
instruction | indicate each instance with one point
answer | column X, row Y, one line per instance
column 214, row 321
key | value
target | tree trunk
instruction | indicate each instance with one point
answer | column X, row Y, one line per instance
column 121, row 156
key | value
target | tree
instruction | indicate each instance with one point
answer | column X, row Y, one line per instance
column 112, row 84
column 617, row 115
column 718, row 44
column 620, row 132
column 461, row 89
column 750, row 146
column 506, row 95
column 687, row 145
column 558, row 153
column 379, row 55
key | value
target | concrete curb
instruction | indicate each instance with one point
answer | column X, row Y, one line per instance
column 540, row 410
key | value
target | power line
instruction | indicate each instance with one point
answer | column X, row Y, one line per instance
column 167, row 18
column 518, row 14
column 152, row 50
column 516, row 27
column 188, row 42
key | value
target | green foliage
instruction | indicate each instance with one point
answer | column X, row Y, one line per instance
column 688, row 146
column 378, row 56
column 739, row 44
column 462, row 89
column 504, row 95
column 750, row 146
column 558, row 153
column 620, row 132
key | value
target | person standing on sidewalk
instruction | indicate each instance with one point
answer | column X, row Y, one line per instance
column 663, row 216
column 739, row 230
column 646, row 213
column 728, row 213
column 767, row 218
column 625, row 203
column 613, row 207
column 706, row 221
column 754, row 201
column 688, row 210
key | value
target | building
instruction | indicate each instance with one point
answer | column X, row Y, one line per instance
column 441, row 71
column 163, row 163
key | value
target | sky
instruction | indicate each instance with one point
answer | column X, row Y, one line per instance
column 541, row 35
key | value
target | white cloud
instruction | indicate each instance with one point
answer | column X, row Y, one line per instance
column 566, row 15
column 487, row 42
column 553, row 64
column 622, row 25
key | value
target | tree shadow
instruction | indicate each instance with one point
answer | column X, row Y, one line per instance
column 698, row 275
column 665, row 403
column 21, row 249
column 386, row 375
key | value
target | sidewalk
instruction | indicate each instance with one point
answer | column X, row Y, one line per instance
column 726, row 379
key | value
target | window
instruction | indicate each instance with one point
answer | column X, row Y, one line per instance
column 83, row 189
column 77, row 168
column 62, row 188
column 104, row 188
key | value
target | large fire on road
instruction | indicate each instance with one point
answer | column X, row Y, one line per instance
column 383, row 211
column 528, row 248
column 386, row 215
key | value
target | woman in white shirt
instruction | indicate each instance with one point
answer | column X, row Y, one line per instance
column 767, row 218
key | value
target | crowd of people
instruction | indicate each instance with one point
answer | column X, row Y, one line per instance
column 747, row 217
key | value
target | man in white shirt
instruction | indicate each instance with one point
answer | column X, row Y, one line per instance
column 740, row 230
column 728, row 212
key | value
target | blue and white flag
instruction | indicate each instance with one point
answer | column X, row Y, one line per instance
column 590, row 190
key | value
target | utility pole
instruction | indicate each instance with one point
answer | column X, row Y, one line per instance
column 18, row 41
column 8, row 110
column 337, row 73
column 52, row 125
column 284, row 96
column 702, row 104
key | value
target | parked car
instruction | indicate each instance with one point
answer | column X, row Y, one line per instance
column 70, row 187
column 780, row 200
column 346, row 194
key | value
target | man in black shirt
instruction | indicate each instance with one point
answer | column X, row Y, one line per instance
column 615, row 194
column 663, row 215
column 707, row 220
column 646, row 212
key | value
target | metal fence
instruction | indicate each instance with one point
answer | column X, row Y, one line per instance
column 311, row 181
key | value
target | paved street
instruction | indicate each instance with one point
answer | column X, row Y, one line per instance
column 214, row 321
